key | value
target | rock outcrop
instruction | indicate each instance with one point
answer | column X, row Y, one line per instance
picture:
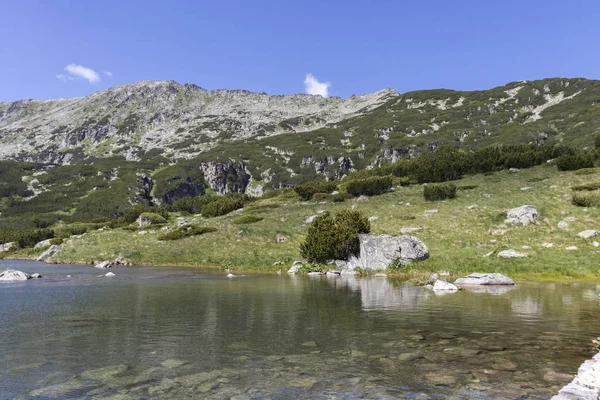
column 523, row 215
column 7, row 246
column 586, row 385
column 226, row 176
column 49, row 253
column 14, row 275
column 378, row 252
column 42, row 244
column 484, row 279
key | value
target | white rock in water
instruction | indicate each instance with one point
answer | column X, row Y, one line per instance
column 443, row 285
column 484, row 279
column 295, row 267
column 590, row 233
column 14, row 275
column 230, row 275
column 511, row 254
column 109, row 274
column 523, row 215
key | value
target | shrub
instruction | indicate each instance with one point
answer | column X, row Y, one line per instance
column 186, row 231
column 467, row 187
column 574, row 162
column 404, row 181
column 440, row 191
column 322, row 197
column 308, row 190
column 341, row 197
column 369, row 186
column 334, row 237
column 221, row 205
column 591, row 199
column 586, row 186
column 56, row 241
column 29, row 238
column 247, row 219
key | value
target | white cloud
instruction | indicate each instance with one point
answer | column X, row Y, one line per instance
column 108, row 73
column 313, row 86
column 75, row 71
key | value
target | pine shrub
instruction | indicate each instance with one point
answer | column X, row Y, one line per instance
column 440, row 191
column 369, row 186
column 308, row 190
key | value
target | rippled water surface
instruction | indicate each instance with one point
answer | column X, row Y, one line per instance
column 191, row 333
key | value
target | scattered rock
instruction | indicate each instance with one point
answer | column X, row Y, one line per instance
column 595, row 244
column 498, row 232
column 281, row 238
column 511, row 254
column 443, row 285
column 333, row 273
column 487, row 195
column 526, row 188
column 410, row 229
column 362, row 198
column 311, row 343
column 553, row 187
column 434, row 211
column 563, row 225
column 182, row 222
column 104, row 264
column 523, row 215
column 587, row 234
column 230, row 275
column 377, row 252
column 14, row 275
column 547, row 245
column 109, row 274
column 526, row 247
column 484, row 279
column 142, row 232
column 571, row 248
column 315, row 273
column 42, row 244
column 440, row 379
column 373, row 218
column 514, row 170
column 295, row 267
column 310, row 219
column 553, row 376
column 504, row 365
column 474, row 206
column 380, row 275
column 173, row 363
column 7, row 246
column 49, row 253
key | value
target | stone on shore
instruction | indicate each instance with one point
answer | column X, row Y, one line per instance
column 49, row 253
column 377, row 252
column 523, row 215
column 7, row 246
column 42, row 244
column 295, row 267
column 484, row 279
column 104, row 264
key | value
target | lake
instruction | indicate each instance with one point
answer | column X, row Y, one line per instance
column 194, row 333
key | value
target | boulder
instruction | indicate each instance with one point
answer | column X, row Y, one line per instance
column 295, row 267
column 443, row 285
column 104, row 264
column 484, row 279
column 310, row 219
column 14, row 275
column 410, row 229
column 7, row 246
column 36, row 276
column 182, row 222
column 563, row 225
column 523, row 215
column 362, row 198
column 377, row 252
column 587, row 234
column 42, row 244
column 511, row 254
column 49, row 253
column 373, row 218
column 109, row 274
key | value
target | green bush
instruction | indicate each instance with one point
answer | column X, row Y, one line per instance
column 586, row 186
column 308, row 190
column 57, row 241
column 369, row 186
column 467, row 187
column 440, row 191
column 591, row 199
column 404, row 181
column 574, row 162
column 221, row 205
column 247, row 219
column 322, row 197
column 29, row 238
column 334, row 237
column 341, row 197
column 186, row 231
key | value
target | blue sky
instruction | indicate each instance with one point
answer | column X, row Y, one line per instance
column 270, row 46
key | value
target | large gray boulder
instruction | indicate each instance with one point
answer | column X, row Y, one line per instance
column 14, row 275
column 49, row 253
column 484, row 279
column 42, row 244
column 587, row 234
column 377, row 252
column 511, row 254
column 523, row 215
column 104, row 264
column 7, row 246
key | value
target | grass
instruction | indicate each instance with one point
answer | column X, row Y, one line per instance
column 458, row 236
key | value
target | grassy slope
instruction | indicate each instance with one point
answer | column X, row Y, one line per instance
column 456, row 236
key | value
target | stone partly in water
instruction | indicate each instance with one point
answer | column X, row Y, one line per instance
column 484, row 279
column 443, row 285
column 377, row 252
column 14, row 275
column 523, row 215
column 104, row 264
column 511, row 254
column 49, row 253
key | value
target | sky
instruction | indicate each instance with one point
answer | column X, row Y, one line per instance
column 59, row 48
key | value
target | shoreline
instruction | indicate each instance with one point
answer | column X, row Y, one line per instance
column 585, row 385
